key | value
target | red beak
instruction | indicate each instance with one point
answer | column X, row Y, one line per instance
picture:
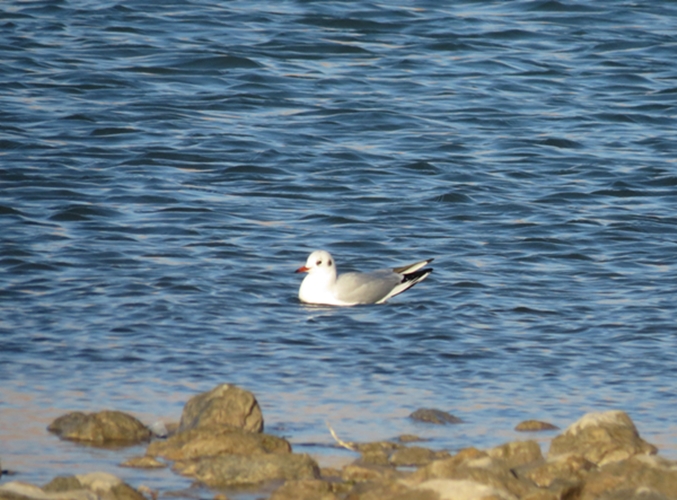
column 302, row 269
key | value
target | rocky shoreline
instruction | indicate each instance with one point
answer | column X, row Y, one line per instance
column 220, row 443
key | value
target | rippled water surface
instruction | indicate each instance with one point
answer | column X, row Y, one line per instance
column 165, row 167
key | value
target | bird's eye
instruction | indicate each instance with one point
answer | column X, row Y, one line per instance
column 329, row 263
column 318, row 263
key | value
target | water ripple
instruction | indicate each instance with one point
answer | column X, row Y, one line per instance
column 165, row 168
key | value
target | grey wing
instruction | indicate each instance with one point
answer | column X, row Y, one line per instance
column 366, row 288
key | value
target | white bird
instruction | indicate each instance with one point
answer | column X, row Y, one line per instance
column 321, row 286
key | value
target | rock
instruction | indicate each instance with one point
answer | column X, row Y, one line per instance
column 330, row 473
column 387, row 453
column 145, row 462
column 17, row 490
column 440, row 468
column 388, row 490
column 225, row 405
column 517, row 453
column 210, row 442
column 377, row 453
column 602, row 438
column 415, row 456
column 358, row 472
column 305, row 489
column 409, row 438
column 105, row 427
column 569, row 468
column 639, row 477
column 535, row 425
column 450, row 489
column 108, row 487
column 92, row 486
column 63, row 483
column 233, row 470
column 475, row 466
column 434, row 416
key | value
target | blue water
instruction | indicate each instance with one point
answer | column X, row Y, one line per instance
column 165, row 168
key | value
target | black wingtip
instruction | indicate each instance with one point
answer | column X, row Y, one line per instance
column 417, row 275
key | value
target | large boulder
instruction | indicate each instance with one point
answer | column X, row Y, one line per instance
column 220, row 443
column 224, row 406
column 213, row 441
column 602, row 438
column 105, row 427
column 639, row 477
column 241, row 470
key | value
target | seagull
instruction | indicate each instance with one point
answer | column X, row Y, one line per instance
column 321, row 286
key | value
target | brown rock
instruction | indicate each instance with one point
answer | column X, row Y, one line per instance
column 535, row 425
column 638, row 477
column 415, row 456
column 453, row 489
column 638, row 494
column 483, row 469
column 145, row 462
column 571, row 469
column 92, row 486
column 304, row 489
column 210, row 442
column 377, row 446
column 62, row 483
column 108, row 486
column 602, row 438
column 225, row 405
column 446, row 466
column 517, row 453
column 434, row 416
column 358, row 472
column 409, row 438
column 17, row 490
column 330, row 473
column 388, row 490
column 232, row 470
column 105, row 427
column 378, row 452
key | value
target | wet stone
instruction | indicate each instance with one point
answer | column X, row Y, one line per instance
column 415, row 456
column 433, row 416
column 224, row 406
column 601, row 438
column 240, row 470
column 535, row 425
column 145, row 462
column 105, row 427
